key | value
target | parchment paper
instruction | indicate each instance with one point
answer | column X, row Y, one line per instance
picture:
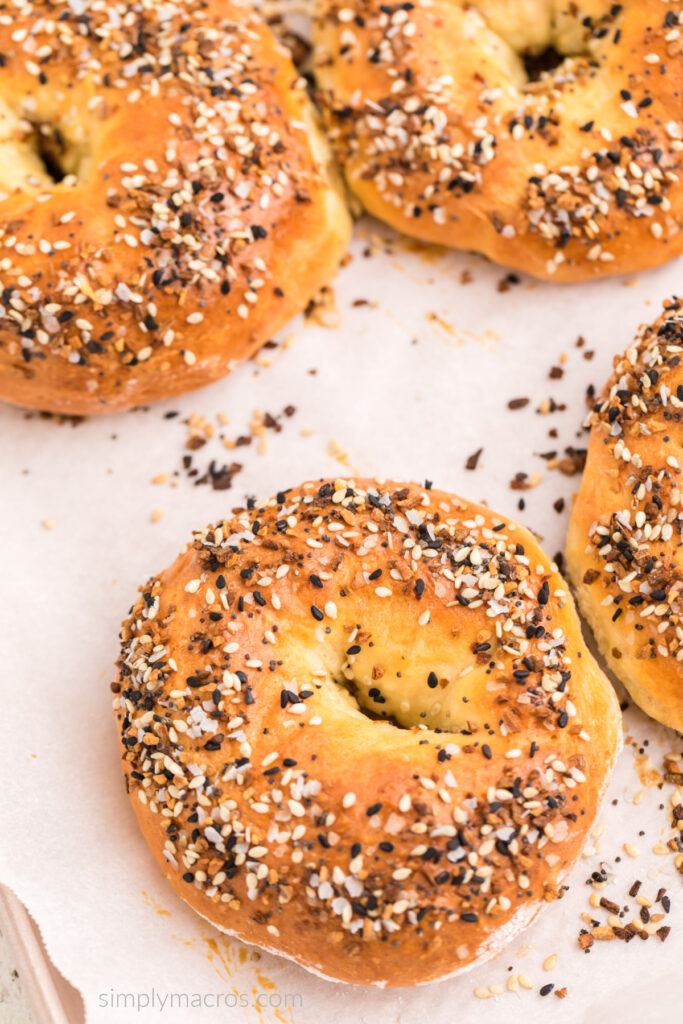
column 413, row 380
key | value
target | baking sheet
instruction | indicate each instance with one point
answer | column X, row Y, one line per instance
column 412, row 374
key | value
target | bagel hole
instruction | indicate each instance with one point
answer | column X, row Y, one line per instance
column 51, row 148
column 538, row 64
column 367, row 705
column 400, row 700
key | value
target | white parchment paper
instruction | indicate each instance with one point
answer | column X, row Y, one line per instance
column 415, row 377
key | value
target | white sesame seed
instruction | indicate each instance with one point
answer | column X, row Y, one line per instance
column 401, row 874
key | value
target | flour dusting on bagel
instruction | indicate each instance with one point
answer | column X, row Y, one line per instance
column 360, row 728
column 443, row 133
column 166, row 200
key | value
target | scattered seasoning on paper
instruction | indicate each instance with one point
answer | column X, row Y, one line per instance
column 202, row 431
column 473, row 459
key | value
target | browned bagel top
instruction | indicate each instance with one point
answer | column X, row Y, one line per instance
column 441, row 131
column 624, row 545
column 163, row 199
column 359, row 720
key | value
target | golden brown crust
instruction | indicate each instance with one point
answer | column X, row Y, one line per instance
column 623, row 547
column 198, row 213
column 360, row 727
column 440, row 133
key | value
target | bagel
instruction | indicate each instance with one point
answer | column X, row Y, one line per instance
column 166, row 198
column 442, row 135
column 360, row 728
column 623, row 546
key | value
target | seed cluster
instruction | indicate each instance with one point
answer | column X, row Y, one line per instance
column 635, row 547
column 232, row 749
column 431, row 136
column 140, row 250
column 649, row 920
